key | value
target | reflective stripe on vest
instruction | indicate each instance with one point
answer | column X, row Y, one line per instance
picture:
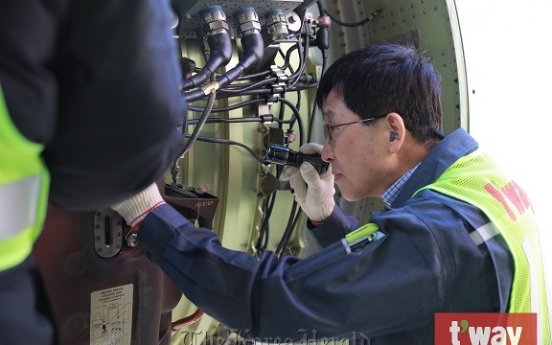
column 476, row 180
column 483, row 234
column 24, row 183
column 17, row 209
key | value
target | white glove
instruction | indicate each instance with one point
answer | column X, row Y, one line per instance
column 136, row 208
column 314, row 192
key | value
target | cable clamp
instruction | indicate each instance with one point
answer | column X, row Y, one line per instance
column 210, row 88
column 268, row 118
column 279, row 73
column 278, row 88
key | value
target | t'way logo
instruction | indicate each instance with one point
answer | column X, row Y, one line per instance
column 511, row 192
column 486, row 329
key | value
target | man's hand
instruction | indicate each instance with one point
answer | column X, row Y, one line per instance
column 135, row 209
column 314, row 192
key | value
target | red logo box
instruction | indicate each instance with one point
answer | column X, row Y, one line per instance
column 486, row 329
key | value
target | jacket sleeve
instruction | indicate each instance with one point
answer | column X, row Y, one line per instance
column 96, row 82
column 334, row 228
column 391, row 284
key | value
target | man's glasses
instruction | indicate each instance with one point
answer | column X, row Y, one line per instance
column 328, row 128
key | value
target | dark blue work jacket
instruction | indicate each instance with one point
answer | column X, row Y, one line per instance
column 387, row 293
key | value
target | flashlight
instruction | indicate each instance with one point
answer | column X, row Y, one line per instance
column 284, row 156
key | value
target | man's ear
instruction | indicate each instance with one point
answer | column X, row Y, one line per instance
column 397, row 131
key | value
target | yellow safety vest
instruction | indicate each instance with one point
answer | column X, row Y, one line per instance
column 476, row 179
column 24, row 183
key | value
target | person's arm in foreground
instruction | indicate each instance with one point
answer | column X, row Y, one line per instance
column 330, row 292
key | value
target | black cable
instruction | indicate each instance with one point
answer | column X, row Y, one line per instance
column 281, row 113
column 303, row 56
column 242, row 77
column 297, row 118
column 262, row 240
column 230, row 142
column 321, row 7
column 296, row 76
column 303, row 63
column 313, row 113
column 236, row 85
column 324, row 62
column 193, row 137
column 287, row 57
column 253, row 50
column 322, row 40
column 224, row 94
column 231, row 107
column 348, row 25
column 314, row 107
column 303, row 87
column 353, row 25
column 220, row 54
column 248, row 119
column 289, row 230
column 199, row 125
column 298, row 103
column 254, row 75
column 263, row 82
column 263, row 118
column 287, row 234
column 292, row 120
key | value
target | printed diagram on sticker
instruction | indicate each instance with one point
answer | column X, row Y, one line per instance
column 111, row 316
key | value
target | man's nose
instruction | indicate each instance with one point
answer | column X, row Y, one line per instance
column 327, row 152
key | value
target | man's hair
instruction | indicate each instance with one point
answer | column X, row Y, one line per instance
column 388, row 77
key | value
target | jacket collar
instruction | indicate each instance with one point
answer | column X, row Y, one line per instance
column 457, row 144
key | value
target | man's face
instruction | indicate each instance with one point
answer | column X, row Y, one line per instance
column 358, row 153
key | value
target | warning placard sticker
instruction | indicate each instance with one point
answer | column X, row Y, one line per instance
column 111, row 316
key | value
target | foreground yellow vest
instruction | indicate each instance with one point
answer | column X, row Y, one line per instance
column 476, row 180
column 24, row 183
